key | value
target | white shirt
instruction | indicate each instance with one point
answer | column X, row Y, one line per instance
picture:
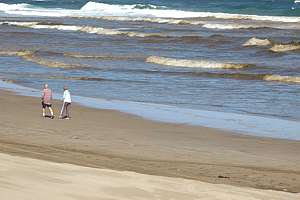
column 67, row 96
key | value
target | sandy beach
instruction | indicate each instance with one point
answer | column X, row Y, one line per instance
column 109, row 139
column 27, row 179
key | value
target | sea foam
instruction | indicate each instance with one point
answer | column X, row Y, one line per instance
column 287, row 79
column 257, row 42
column 230, row 26
column 86, row 29
column 194, row 63
column 293, row 46
column 94, row 9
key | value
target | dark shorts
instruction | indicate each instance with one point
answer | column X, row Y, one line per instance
column 44, row 105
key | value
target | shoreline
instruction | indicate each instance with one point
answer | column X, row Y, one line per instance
column 253, row 125
column 114, row 140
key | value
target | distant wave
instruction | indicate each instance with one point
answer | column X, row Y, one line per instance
column 230, row 75
column 204, row 23
column 36, row 56
column 263, row 77
column 111, row 32
column 275, row 47
column 78, row 78
column 248, row 76
column 152, row 19
column 30, row 10
column 93, row 9
column 125, row 10
column 293, row 46
column 105, row 57
column 287, row 79
column 257, row 42
column 194, row 63
column 31, row 57
column 86, row 29
column 225, row 26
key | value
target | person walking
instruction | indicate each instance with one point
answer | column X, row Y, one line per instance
column 65, row 111
column 46, row 101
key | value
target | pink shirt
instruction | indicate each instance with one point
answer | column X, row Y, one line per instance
column 47, row 96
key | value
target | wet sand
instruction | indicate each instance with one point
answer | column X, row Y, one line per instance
column 118, row 141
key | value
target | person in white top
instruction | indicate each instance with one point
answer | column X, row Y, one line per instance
column 65, row 112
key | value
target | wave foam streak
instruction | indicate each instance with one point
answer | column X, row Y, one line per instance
column 194, row 63
column 86, row 29
column 287, row 79
column 257, row 42
column 94, row 9
column 31, row 57
column 293, row 46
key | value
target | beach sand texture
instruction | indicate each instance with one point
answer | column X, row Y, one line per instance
column 118, row 141
column 27, row 179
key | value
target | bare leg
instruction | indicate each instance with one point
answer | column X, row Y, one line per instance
column 44, row 112
column 51, row 111
column 64, row 110
column 61, row 114
column 68, row 110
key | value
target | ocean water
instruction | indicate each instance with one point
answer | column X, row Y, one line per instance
column 255, row 7
column 236, row 62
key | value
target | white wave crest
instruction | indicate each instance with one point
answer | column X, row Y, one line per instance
column 24, row 9
column 93, row 9
column 86, row 29
column 131, row 10
column 194, row 63
column 288, row 79
column 154, row 20
column 30, row 56
column 257, row 42
column 229, row 26
column 20, row 6
column 285, row 47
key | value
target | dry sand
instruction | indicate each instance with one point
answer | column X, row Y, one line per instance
column 118, row 141
column 30, row 179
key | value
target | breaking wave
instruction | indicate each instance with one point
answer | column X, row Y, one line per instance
column 94, row 9
column 105, row 57
column 204, row 23
column 230, row 26
column 278, row 48
column 263, row 77
column 194, row 63
column 35, row 56
column 257, row 42
column 153, row 20
column 292, row 46
column 86, row 29
column 287, row 79
column 229, row 75
column 111, row 32
column 31, row 57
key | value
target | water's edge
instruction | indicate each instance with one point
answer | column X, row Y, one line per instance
column 238, row 123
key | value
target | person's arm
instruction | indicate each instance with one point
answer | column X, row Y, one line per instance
column 64, row 95
column 51, row 96
column 43, row 95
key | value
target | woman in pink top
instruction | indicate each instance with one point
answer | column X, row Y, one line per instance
column 46, row 101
